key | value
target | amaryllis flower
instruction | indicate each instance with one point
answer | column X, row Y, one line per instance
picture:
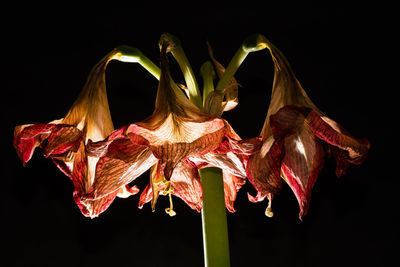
column 64, row 140
column 295, row 134
column 173, row 140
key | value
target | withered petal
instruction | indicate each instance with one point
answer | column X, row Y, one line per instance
column 186, row 185
column 145, row 196
column 91, row 106
column 232, row 185
column 301, row 165
column 121, row 163
column 335, row 135
column 229, row 162
column 263, row 168
column 63, row 138
column 127, row 191
column 94, row 207
column 258, row 198
column 53, row 138
column 226, row 100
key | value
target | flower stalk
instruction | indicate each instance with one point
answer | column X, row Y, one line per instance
column 174, row 46
column 133, row 55
column 252, row 44
column 213, row 214
column 208, row 74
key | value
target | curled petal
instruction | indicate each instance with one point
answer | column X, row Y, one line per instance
column 64, row 138
column 258, row 198
column 233, row 143
column 227, row 99
column 332, row 133
column 100, row 148
column 93, row 208
column 63, row 163
column 232, row 185
column 127, row 191
column 53, row 138
column 263, row 168
column 28, row 137
column 145, row 196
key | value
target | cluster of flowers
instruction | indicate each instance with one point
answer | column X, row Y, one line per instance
column 181, row 137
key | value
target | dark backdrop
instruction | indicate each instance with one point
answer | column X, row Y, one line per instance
column 47, row 55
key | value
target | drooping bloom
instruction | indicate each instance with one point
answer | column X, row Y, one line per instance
column 173, row 140
column 294, row 135
column 64, row 140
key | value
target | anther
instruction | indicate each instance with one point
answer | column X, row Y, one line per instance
column 170, row 210
column 268, row 210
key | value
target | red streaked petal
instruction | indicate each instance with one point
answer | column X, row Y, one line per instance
column 233, row 143
column 263, row 168
column 53, row 138
column 93, row 208
column 62, row 165
column 341, row 160
column 287, row 120
column 62, row 139
column 171, row 153
column 301, row 165
column 229, row 162
column 232, row 185
column 332, row 133
column 145, row 196
column 28, row 137
column 186, row 185
column 121, row 164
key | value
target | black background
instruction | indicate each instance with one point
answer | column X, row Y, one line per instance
column 336, row 53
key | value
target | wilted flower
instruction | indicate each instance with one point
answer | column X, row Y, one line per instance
column 64, row 140
column 294, row 135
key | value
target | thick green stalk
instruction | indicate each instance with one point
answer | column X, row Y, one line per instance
column 215, row 228
column 133, row 55
column 213, row 214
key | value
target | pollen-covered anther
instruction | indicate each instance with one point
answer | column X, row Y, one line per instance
column 170, row 210
column 268, row 211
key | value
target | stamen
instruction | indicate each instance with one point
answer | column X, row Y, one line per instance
column 170, row 210
column 268, row 211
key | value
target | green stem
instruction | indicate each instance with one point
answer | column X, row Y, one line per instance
column 208, row 74
column 177, row 52
column 134, row 55
column 215, row 228
column 251, row 44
